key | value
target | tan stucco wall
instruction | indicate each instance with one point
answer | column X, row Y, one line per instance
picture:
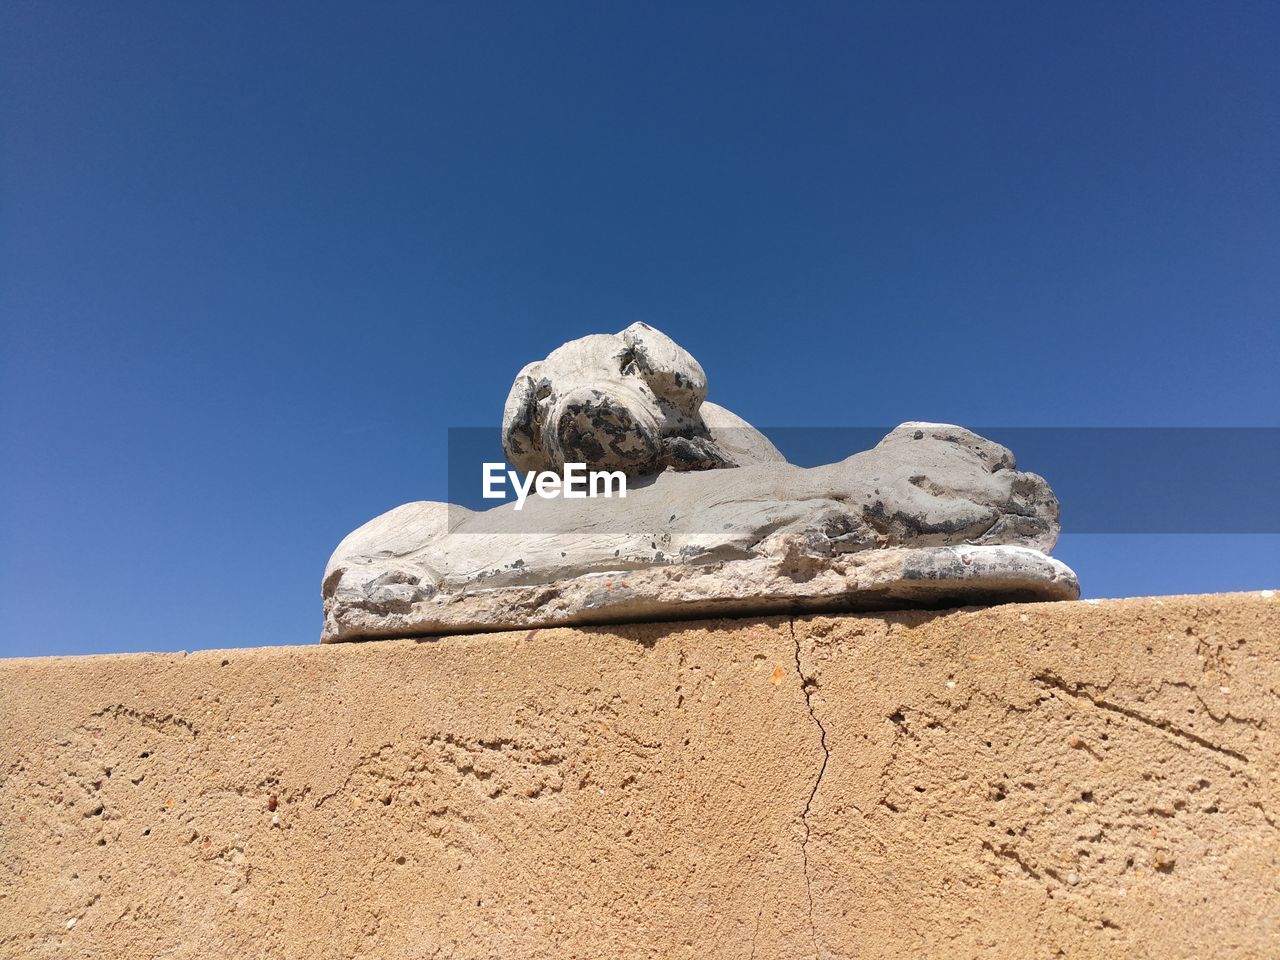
column 1090, row 780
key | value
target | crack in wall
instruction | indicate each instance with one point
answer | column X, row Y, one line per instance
column 153, row 720
column 755, row 933
column 817, row 782
column 1080, row 692
column 1008, row 853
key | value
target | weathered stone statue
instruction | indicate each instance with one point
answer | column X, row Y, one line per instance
column 715, row 522
column 634, row 401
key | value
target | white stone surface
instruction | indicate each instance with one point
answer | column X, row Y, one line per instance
column 933, row 515
column 631, row 401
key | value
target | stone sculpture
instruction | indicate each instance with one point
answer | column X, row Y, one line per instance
column 634, row 401
column 715, row 521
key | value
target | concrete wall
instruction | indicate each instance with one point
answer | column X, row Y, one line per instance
column 1024, row 781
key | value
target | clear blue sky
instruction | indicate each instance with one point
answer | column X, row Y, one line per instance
column 256, row 258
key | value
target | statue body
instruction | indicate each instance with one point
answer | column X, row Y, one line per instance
column 715, row 521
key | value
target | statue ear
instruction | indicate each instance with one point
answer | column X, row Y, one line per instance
column 521, row 423
column 669, row 370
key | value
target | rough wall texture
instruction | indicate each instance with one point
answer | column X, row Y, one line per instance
column 1048, row 779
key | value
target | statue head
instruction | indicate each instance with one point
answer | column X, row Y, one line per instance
column 627, row 401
